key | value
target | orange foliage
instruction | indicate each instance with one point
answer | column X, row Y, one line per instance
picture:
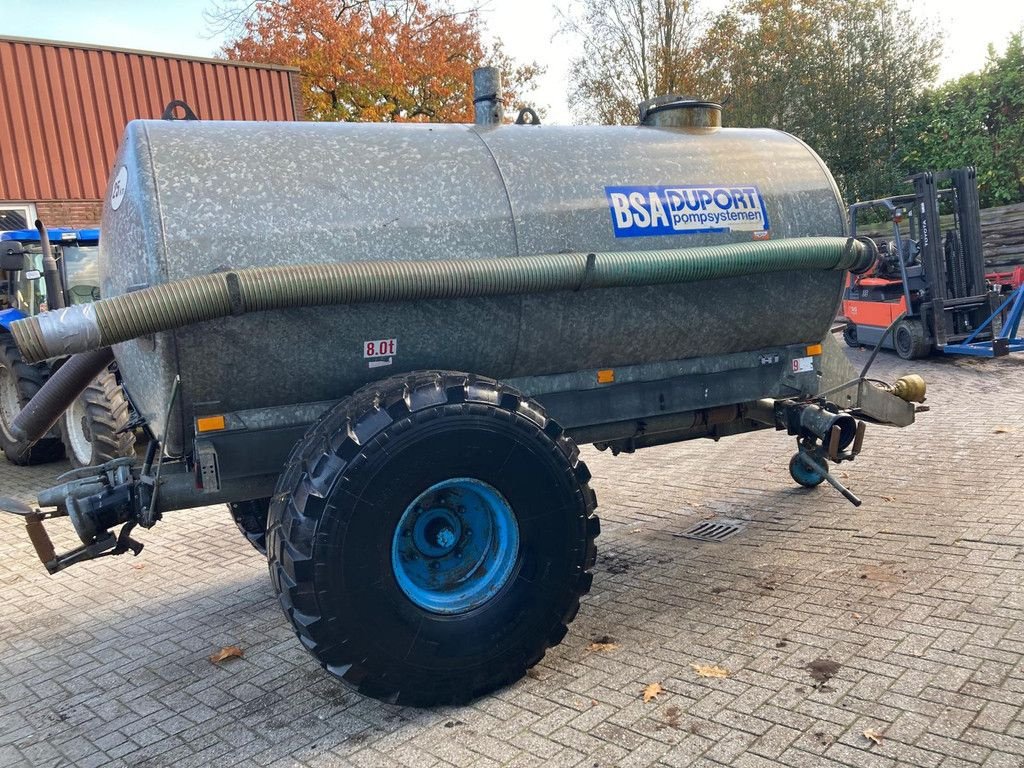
column 369, row 60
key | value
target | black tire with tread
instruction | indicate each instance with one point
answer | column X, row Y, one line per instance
column 910, row 340
column 107, row 417
column 28, row 379
column 850, row 335
column 333, row 516
column 251, row 519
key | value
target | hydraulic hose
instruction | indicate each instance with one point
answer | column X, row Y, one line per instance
column 60, row 390
column 164, row 307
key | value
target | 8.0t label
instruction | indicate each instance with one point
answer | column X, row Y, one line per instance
column 380, row 352
column 380, row 348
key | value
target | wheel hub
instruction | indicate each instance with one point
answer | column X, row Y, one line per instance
column 436, row 533
column 79, row 433
column 455, row 546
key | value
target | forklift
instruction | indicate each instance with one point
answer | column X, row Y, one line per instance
column 928, row 290
column 43, row 269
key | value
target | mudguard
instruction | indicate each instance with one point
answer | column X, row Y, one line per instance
column 8, row 316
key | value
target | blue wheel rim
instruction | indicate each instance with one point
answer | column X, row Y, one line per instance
column 455, row 546
column 804, row 474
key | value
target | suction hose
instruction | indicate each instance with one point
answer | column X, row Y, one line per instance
column 60, row 390
column 164, row 307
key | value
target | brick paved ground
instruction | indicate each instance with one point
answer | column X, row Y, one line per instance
column 918, row 597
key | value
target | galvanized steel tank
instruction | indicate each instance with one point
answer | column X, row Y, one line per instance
column 189, row 198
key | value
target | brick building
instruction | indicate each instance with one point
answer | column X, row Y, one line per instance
column 63, row 107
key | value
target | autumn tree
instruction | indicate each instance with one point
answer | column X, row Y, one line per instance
column 844, row 75
column 372, row 60
column 632, row 50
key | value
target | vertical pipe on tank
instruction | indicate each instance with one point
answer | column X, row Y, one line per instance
column 678, row 112
column 488, row 96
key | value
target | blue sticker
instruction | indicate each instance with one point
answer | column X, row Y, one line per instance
column 686, row 210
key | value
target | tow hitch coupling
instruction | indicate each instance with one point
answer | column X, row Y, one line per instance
column 95, row 499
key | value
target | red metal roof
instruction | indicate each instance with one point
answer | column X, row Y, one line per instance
column 63, row 107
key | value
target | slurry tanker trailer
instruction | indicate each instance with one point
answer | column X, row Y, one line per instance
column 382, row 344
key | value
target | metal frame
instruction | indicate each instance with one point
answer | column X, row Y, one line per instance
column 1002, row 344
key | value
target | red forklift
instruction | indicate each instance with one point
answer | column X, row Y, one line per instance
column 928, row 290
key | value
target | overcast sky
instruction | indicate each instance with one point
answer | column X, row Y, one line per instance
column 528, row 27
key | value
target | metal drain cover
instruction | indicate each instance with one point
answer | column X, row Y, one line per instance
column 718, row 529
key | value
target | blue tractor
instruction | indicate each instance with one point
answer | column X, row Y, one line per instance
column 43, row 269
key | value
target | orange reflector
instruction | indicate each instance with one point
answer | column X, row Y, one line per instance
column 814, row 349
column 209, row 423
column 605, row 376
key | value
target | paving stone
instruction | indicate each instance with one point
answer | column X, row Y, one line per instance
column 918, row 595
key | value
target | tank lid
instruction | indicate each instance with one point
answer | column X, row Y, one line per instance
column 674, row 111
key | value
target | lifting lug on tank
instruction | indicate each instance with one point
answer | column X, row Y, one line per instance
column 95, row 499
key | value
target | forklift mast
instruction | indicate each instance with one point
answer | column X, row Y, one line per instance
column 957, row 299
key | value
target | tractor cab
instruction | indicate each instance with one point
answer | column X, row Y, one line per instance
column 25, row 288
column 43, row 269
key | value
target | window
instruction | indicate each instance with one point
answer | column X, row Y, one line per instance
column 17, row 216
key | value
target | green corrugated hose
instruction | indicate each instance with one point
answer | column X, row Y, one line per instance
column 165, row 307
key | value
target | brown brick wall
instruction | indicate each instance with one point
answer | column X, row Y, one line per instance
column 79, row 214
column 295, row 86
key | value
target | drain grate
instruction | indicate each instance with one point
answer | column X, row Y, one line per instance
column 713, row 530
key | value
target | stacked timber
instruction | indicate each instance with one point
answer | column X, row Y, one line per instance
column 1002, row 234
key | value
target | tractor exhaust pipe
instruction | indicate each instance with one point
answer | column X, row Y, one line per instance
column 51, row 273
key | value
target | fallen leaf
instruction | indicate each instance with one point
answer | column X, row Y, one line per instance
column 873, row 735
column 709, row 670
column 888, row 498
column 652, row 690
column 228, row 652
column 600, row 647
column 1002, row 430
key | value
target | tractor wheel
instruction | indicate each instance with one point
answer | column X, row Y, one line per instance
column 19, row 381
column 910, row 340
column 432, row 537
column 804, row 475
column 251, row 519
column 94, row 427
column 850, row 335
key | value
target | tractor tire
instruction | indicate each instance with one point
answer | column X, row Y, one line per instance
column 94, row 429
column 251, row 519
column 19, row 381
column 910, row 340
column 431, row 538
column 850, row 335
